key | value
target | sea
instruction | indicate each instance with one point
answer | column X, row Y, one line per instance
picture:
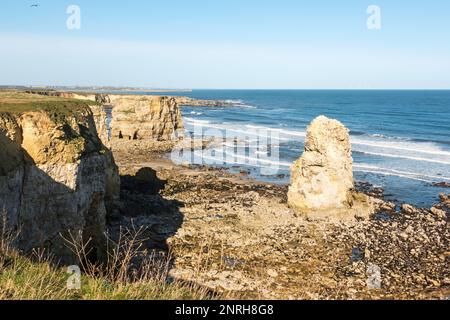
column 400, row 139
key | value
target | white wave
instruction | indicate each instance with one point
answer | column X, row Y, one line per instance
column 282, row 131
column 256, row 144
column 246, row 159
column 247, row 106
column 231, row 101
column 426, row 148
column 196, row 121
column 417, row 175
column 230, row 158
column 204, row 157
column 423, row 148
column 378, row 135
column 393, row 174
column 400, row 156
column 230, row 145
column 231, row 128
column 417, row 151
column 239, row 103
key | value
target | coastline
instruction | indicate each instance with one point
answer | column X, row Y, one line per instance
column 393, row 148
column 227, row 233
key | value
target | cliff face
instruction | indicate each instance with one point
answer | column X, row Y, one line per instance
column 56, row 178
column 98, row 109
column 101, row 123
column 134, row 117
column 145, row 117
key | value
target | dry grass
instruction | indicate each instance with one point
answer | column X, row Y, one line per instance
column 18, row 102
column 128, row 274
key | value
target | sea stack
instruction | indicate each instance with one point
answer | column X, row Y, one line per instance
column 322, row 179
column 145, row 118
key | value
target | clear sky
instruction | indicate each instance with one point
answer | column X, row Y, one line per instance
column 227, row 44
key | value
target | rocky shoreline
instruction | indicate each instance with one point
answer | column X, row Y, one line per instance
column 232, row 234
column 191, row 102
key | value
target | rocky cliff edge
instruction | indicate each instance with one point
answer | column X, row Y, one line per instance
column 57, row 180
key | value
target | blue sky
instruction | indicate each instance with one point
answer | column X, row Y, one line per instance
column 227, row 44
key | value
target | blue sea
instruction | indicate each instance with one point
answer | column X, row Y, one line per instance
column 400, row 139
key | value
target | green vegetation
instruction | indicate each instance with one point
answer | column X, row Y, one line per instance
column 17, row 102
column 70, row 115
column 22, row 278
column 36, row 278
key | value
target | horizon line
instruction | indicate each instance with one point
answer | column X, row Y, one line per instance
column 93, row 87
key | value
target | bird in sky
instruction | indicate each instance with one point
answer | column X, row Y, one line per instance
column 34, row 6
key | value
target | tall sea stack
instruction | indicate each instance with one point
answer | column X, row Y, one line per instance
column 322, row 179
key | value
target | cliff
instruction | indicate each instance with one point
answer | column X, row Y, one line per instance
column 133, row 117
column 101, row 123
column 57, row 179
column 98, row 103
column 145, row 117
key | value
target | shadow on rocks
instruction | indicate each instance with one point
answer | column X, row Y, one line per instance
column 143, row 207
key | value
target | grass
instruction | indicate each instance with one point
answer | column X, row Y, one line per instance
column 23, row 278
column 65, row 113
column 36, row 277
column 18, row 102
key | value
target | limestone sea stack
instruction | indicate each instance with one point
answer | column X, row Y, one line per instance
column 322, row 179
column 145, row 118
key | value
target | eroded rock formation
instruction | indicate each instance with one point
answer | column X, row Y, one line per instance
column 186, row 101
column 56, row 177
column 322, row 179
column 145, row 117
column 134, row 117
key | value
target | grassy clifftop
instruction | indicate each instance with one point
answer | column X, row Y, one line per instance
column 17, row 102
column 58, row 129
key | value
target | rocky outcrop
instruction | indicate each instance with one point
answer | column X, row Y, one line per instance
column 145, row 118
column 134, row 117
column 99, row 109
column 56, row 179
column 322, row 179
column 186, row 101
